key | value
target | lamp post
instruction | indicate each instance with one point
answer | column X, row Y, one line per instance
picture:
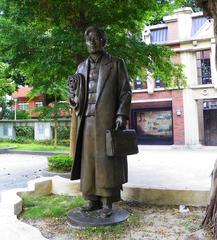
column 1, row 115
column 15, row 108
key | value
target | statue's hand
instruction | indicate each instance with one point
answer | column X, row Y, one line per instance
column 121, row 122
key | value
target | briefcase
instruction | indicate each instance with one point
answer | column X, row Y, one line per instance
column 121, row 142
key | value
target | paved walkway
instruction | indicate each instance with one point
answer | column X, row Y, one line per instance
column 167, row 168
column 154, row 167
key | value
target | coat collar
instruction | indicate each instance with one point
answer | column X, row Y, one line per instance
column 106, row 58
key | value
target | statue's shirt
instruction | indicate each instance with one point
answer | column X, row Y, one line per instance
column 92, row 85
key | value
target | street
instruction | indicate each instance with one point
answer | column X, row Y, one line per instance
column 17, row 169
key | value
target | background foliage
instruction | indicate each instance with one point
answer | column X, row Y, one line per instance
column 63, row 133
column 20, row 114
column 24, row 132
column 60, row 163
column 43, row 40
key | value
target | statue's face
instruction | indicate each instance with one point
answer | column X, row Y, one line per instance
column 94, row 42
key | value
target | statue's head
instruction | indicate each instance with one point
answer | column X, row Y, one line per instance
column 95, row 39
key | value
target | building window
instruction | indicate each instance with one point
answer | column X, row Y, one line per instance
column 137, row 83
column 158, row 83
column 159, row 35
column 210, row 104
column 38, row 104
column 23, row 106
column 203, row 67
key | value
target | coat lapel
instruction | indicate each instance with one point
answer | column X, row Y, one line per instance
column 104, row 70
column 86, row 69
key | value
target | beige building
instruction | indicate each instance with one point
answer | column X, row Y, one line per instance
column 191, row 36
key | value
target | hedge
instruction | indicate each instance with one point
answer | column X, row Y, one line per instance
column 63, row 133
column 60, row 163
column 25, row 132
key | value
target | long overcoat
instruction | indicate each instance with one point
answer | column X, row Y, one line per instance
column 113, row 98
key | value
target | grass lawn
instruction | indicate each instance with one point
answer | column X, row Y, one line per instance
column 49, row 214
column 53, row 206
column 33, row 146
column 52, row 210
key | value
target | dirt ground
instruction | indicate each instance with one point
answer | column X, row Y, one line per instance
column 145, row 223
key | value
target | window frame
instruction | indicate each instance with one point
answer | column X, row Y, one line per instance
column 23, row 106
column 40, row 104
column 203, row 64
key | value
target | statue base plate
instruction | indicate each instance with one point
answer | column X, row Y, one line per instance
column 79, row 219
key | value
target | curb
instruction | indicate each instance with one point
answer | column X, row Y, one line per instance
column 41, row 153
column 46, row 173
column 11, row 206
column 6, row 150
column 167, row 197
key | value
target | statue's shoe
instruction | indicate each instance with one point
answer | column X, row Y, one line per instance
column 91, row 206
column 106, row 212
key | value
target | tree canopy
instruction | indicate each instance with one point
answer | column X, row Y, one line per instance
column 43, row 40
column 6, row 83
column 7, row 87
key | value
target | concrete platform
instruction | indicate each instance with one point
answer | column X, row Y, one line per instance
column 163, row 167
column 168, row 175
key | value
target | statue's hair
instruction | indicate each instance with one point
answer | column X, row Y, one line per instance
column 99, row 31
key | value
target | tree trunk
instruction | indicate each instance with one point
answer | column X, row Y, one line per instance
column 210, row 9
column 73, row 134
column 55, row 131
column 55, row 123
column 211, row 210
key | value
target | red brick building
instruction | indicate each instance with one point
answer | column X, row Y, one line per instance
column 24, row 102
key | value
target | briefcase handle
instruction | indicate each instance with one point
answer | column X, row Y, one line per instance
column 118, row 129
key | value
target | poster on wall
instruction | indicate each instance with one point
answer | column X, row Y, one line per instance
column 154, row 123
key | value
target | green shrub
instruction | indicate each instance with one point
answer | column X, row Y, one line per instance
column 20, row 114
column 63, row 133
column 6, row 140
column 45, row 142
column 60, row 163
column 24, row 132
column 21, row 140
column 63, row 142
column 27, row 140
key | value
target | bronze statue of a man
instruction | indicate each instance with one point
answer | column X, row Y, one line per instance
column 101, row 98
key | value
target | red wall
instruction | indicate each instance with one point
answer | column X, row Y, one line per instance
column 178, row 121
